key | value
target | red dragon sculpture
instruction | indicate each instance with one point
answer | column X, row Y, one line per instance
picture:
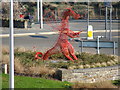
column 63, row 45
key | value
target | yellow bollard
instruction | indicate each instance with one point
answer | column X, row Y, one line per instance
column 90, row 32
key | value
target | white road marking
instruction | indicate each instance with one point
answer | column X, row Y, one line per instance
column 50, row 33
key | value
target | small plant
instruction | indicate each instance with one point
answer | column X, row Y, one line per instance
column 87, row 66
column 92, row 66
column 57, row 56
column 116, row 82
column 98, row 65
column 81, row 66
column 67, row 86
column 104, row 64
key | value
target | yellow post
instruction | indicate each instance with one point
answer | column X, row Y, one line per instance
column 90, row 32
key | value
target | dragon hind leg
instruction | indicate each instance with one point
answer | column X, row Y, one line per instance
column 66, row 53
column 72, row 52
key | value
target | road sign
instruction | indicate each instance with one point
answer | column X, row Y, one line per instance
column 107, row 4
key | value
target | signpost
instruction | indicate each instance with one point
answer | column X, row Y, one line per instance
column 89, row 27
column 106, row 26
column 88, row 14
column 108, row 5
column 110, row 33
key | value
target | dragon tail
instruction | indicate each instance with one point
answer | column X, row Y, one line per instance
column 37, row 55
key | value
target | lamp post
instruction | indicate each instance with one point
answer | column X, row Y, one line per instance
column 11, row 79
column 38, row 11
column 41, row 15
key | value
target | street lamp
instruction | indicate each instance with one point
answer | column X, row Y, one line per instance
column 38, row 11
column 41, row 14
column 11, row 79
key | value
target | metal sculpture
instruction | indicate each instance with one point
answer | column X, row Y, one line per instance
column 63, row 45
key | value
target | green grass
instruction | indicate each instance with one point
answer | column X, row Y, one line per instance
column 116, row 82
column 30, row 82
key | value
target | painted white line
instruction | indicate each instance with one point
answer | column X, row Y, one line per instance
column 116, row 36
column 105, row 30
column 26, row 34
column 100, row 31
column 48, row 33
column 96, row 36
column 17, row 35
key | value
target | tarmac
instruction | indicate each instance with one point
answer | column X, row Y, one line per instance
column 47, row 30
column 49, row 33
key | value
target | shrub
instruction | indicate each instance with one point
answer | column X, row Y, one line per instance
column 41, row 70
column 88, row 58
column 116, row 82
column 104, row 64
column 19, row 68
column 87, row 66
column 81, row 66
column 98, row 64
column 57, row 56
column 5, row 50
column 5, row 59
column 102, row 84
column 85, row 60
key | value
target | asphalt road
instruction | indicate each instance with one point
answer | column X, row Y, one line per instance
column 74, row 25
column 45, row 41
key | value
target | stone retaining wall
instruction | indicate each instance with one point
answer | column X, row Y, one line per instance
column 90, row 75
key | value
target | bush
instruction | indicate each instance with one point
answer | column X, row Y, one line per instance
column 85, row 60
column 57, row 56
column 116, row 82
column 103, row 84
column 88, row 58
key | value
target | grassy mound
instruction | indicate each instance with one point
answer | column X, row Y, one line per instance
column 25, row 62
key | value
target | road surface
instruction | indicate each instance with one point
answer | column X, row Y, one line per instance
column 32, row 37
